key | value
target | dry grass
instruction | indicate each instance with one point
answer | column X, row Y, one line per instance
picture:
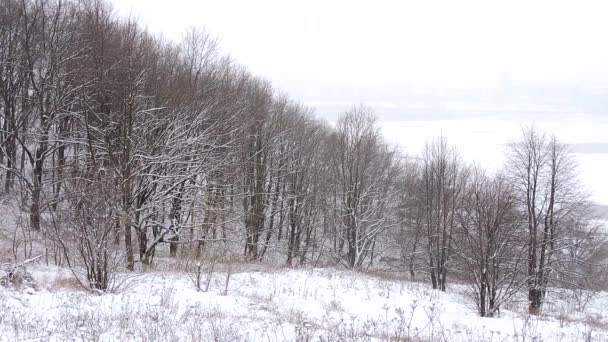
column 596, row 321
column 386, row 275
column 66, row 282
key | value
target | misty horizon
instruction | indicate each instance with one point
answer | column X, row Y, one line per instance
column 351, row 45
column 423, row 67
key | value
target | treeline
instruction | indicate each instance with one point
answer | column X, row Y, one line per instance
column 116, row 143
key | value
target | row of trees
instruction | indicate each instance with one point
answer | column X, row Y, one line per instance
column 117, row 143
column 528, row 226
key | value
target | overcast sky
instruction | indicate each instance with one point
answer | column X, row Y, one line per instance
column 530, row 62
column 304, row 46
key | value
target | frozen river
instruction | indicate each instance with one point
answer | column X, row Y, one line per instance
column 484, row 139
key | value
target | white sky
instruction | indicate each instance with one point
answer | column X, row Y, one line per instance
column 365, row 43
column 335, row 53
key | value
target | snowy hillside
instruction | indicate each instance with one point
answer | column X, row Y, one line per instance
column 154, row 189
column 275, row 305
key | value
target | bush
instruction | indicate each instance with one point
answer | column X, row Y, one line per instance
column 16, row 276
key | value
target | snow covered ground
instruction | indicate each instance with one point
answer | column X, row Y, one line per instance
column 278, row 305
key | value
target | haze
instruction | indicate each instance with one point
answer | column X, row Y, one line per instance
column 474, row 71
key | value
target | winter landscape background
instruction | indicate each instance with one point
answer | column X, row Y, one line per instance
column 303, row 171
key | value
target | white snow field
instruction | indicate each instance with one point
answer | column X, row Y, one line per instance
column 280, row 305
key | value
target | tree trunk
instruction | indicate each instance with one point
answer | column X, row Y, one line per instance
column 37, row 187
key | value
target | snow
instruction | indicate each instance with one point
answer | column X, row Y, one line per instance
column 276, row 305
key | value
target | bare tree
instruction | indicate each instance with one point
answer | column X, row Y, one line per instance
column 256, row 155
column 544, row 174
column 443, row 180
column 411, row 217
column 85, row 230
column 13, row 85
column 364, row 184
column 489, row 244
column 303, row 179
column 48, row 36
